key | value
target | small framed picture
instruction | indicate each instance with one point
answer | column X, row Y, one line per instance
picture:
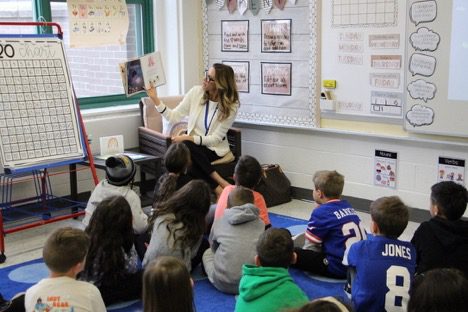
column 276, row 36
column 241, row 74
column 235, row 36
column 276, row 78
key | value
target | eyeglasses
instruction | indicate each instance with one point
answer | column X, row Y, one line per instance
column 208, row 78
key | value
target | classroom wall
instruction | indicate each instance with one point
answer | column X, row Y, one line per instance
column 302, row 152
column 345, row 146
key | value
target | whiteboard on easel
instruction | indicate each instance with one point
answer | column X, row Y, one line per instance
column 38, row 116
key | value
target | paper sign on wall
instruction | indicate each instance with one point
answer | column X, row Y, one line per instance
column 451, row 169
column 96, row 23
column 385, row 169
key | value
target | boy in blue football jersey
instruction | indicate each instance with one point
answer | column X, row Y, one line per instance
column 332, row 227
column 382, row 267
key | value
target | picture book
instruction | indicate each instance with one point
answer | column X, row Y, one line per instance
column 138, row 74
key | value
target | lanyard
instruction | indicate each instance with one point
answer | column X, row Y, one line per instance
column 207, row 107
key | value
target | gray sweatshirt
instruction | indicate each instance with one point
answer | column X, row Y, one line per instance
column 234, row 237
column 105, row 190
column 162, row 243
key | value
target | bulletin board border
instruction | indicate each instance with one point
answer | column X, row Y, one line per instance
column 309, row 120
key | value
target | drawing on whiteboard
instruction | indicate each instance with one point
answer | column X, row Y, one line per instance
column 386, row 103
column 420, row 115
column 424, row 39
column 422, row 90
column 364, row 13
column 423, row 12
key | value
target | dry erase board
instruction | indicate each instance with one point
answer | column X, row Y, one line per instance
column 38, row 118
column 437, row 58
column 363, row 46
column 274, row 54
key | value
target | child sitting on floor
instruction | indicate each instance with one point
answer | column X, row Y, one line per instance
column 382, row 267
column 443, row 240
column 120, row 171
column 333, row 226
column 438, row 290
column 167, row 286
column 247, row 173
column 267, row 286
column 233, row 238
column 112, row 263
column 64, row 254
column 177, row 161
column 179, row 224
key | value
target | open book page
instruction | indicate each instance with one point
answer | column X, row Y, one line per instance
column 137, row 74
column 153, row 71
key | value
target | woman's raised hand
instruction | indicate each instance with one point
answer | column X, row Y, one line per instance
column 153, row 94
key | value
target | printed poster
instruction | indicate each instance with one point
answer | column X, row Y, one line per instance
column 385, row 169
column 451, row 169
column 97, row 23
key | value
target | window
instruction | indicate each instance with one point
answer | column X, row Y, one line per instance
column 13, row 11
column 94, row 71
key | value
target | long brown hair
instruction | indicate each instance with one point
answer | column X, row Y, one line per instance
column 176, row 160
column 110, row 231
column 167, row 286
column 227, row 90
column 190, row 204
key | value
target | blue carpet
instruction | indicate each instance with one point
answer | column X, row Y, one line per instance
column 18, row 278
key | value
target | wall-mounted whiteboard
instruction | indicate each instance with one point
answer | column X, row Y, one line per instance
column 437, row 58
column 277, row 78
column 363, row 47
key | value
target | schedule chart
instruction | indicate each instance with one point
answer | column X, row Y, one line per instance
column 38, row 118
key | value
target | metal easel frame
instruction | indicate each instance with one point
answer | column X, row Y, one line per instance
column 39, row 173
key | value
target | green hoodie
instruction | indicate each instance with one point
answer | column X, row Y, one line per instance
column 268, row 289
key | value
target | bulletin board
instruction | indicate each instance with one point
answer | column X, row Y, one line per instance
column 363, row 50
column 437, row 58
column 38, row 117
column 274, row 53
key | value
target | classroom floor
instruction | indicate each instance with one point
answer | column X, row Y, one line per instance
column 27, row 245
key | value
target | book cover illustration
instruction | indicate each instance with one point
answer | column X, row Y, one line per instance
column 138, row 74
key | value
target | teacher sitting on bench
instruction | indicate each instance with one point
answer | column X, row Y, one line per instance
column 211, row 110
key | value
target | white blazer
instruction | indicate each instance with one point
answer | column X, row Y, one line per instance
column 190, row 106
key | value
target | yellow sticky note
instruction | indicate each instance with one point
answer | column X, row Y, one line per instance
column 329, row 84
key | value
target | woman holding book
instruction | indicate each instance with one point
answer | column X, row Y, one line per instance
column 211, row 109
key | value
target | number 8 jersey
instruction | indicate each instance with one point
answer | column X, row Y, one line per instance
column 384, row 271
